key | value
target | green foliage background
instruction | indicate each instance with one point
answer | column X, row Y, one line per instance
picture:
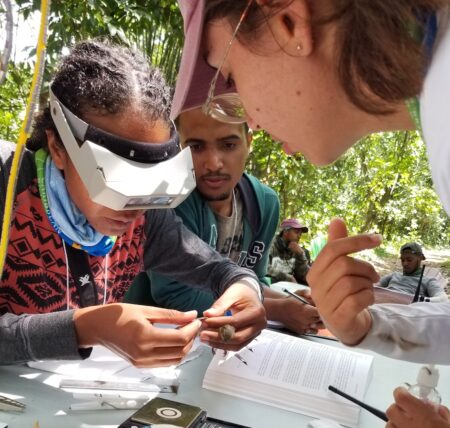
column 383, row 184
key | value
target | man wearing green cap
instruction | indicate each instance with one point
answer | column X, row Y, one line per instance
column 411, row 256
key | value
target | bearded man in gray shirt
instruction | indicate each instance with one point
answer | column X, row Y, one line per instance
column 411, row 256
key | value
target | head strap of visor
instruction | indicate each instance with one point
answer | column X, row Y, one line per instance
column 133, row 150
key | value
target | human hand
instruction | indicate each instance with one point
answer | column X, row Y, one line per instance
column 297, row 316
column 411, row 412
column 248, row 317
column 295, row 247
column 306, row 294
column 342, row 286
column 128, row 330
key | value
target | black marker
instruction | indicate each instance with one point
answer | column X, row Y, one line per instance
column 365, row 406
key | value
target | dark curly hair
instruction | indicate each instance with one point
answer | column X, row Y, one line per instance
column 102, row 78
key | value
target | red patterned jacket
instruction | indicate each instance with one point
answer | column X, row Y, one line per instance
column 34, row 276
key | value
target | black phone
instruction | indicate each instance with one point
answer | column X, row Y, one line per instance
column 161, row 411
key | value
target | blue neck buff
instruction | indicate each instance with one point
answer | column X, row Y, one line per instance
column 68, row 221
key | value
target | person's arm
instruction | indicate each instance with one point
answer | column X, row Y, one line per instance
column 276, row 273
column 173, row 250
column 125, row 329
column 435, row 291
column 32, row 337
column 441, row 297
column 168, row 293
column 38, row 337
column 419, row 332
column 293, row 314
column 385, row 280
column 301, row 266
column 342, row 288
column 275, row 268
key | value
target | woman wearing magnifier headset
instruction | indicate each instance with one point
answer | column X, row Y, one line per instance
column 100, row 155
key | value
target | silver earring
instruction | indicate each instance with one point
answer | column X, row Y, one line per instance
column 299, row 47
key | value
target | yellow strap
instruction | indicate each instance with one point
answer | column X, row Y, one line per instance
column 24, row 130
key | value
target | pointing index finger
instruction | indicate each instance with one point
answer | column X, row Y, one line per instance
column 345, row 246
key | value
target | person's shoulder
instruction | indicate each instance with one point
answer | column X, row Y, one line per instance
column 261, row 189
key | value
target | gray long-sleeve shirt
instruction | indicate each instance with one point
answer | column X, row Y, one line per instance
column 170, row 249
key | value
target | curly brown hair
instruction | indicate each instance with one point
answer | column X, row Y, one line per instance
column 103, row 78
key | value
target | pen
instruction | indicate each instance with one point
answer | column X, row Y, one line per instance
column 365, row 406
column 107, row 405
column 116, row 385
column 111, row 395
column 296, row 296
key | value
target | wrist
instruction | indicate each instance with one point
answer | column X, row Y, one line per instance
column 272, row 307
column 363, row 324
column 253, row 284
column 85, row 326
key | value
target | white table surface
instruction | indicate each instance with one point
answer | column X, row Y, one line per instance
column 49, row 405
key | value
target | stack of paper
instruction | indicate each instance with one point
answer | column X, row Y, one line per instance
column 293, row 373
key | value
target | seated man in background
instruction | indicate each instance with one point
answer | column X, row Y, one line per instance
column 411, row 256
column 289, row 261
column 234, row 213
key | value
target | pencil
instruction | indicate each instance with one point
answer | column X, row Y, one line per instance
column 365, row 406
column 296, row 296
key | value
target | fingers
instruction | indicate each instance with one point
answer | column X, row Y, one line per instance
column 342, row 247
column 396, row 415
column 306, row 294
column 247, row 323
column 351, row 293
column 252, row 316
column 248, row 318
column 307, row 313
column 240, row 339
column 145, row 345
column 346, row 279
column 444, row 413
column 408, row 402
column 167, row 337
column 337, row 229
column 168, row 316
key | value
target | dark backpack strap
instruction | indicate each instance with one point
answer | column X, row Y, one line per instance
column 251, row 206
column 82, row 276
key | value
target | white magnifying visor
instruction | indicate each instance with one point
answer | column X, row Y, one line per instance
column 122, row 174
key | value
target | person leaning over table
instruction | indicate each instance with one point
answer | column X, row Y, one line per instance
column 365, row 66
column 68, row 254
column 234, row 213
column 361, row 65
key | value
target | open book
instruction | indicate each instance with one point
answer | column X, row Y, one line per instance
column 293, row 373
